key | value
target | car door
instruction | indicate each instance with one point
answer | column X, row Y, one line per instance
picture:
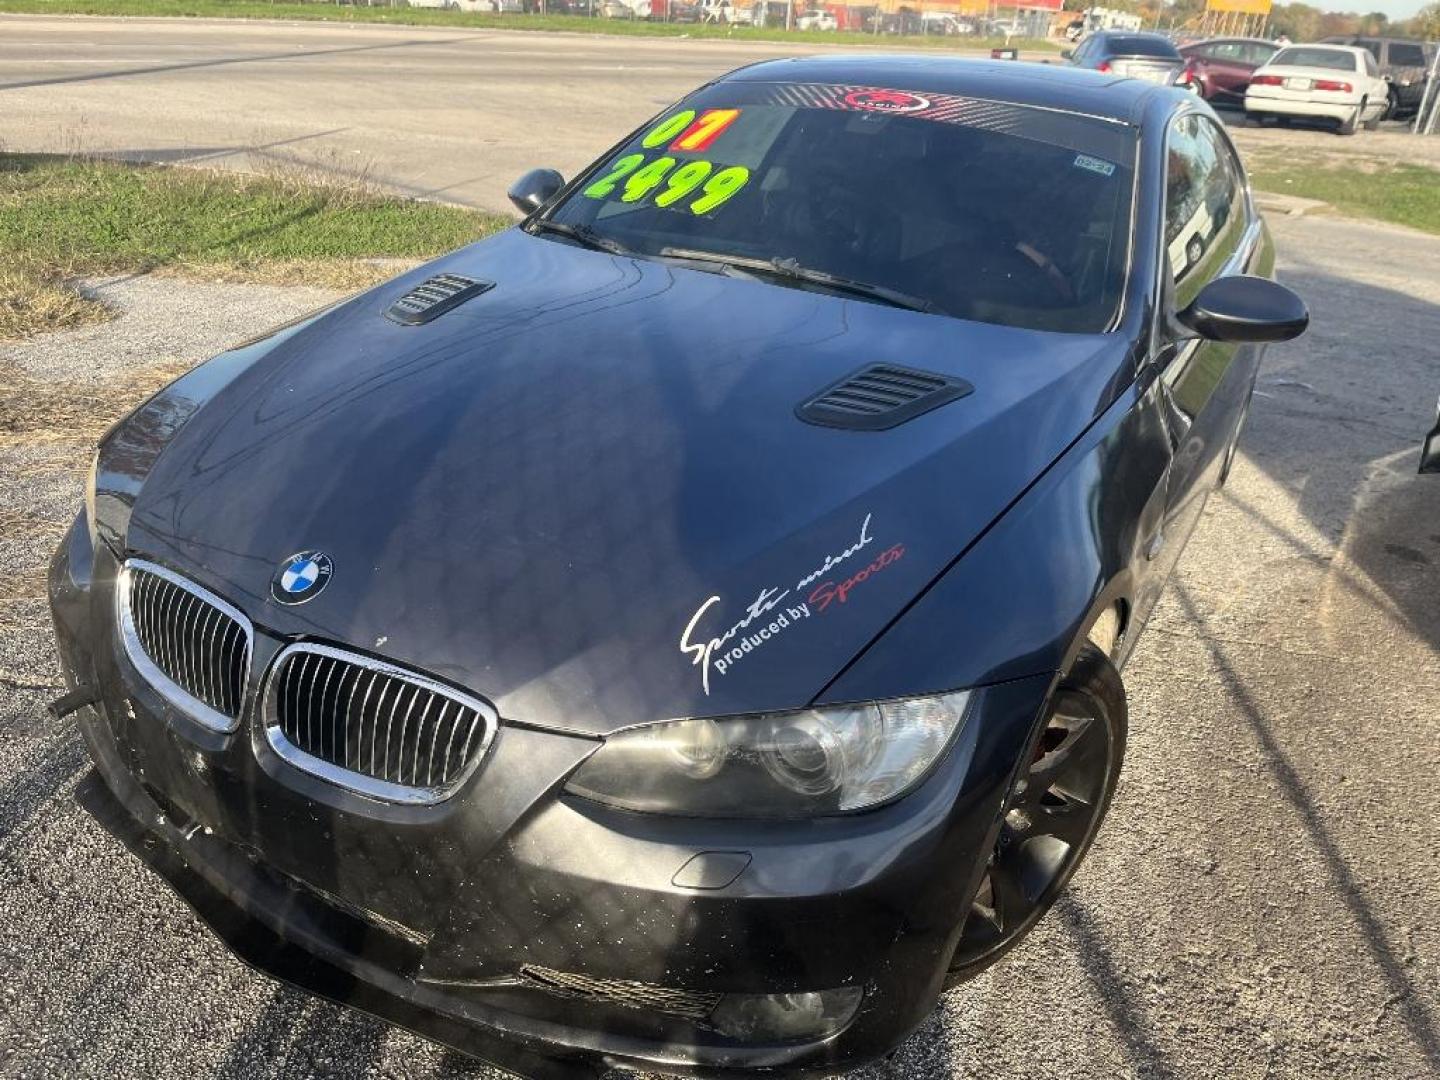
column 1211, row 230
column 1228, row 73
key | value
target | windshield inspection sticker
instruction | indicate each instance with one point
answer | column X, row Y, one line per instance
column 768, row 616
column 1094, row 164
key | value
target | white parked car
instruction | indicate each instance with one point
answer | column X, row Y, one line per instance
column 725, row 11
column 1335, row 82
column 817, row 20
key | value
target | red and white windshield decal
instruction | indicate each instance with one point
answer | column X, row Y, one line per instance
column 944, row 108
column 896, row 101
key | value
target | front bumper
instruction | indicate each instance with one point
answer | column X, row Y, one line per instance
column 431, row 917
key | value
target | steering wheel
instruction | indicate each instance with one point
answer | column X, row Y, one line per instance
column 1056, row 278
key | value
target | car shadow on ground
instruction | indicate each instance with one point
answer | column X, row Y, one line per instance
column 1415, row 1013
column 1361, row 493
column 1143, row 1051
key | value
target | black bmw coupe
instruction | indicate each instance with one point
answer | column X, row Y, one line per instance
column 685, row 630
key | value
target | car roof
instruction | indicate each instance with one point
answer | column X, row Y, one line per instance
column 1246, row 40
column 1050, row 86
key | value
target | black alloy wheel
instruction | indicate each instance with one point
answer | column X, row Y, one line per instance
column 1052, row 813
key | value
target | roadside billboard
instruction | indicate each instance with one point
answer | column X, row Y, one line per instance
column 1243, row 7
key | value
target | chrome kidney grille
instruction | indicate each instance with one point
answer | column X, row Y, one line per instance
column 186, row 642
column 376, row 729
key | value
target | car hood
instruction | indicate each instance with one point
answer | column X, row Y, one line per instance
column 585, row 494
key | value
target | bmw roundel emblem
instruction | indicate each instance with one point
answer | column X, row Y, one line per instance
column 301, row 577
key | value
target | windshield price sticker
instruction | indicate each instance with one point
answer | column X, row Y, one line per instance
column 674, row 180
column 669, row 179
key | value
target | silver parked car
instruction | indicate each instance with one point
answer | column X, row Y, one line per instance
column 1128, row 53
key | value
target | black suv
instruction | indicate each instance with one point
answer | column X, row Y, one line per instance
column 1402, row 62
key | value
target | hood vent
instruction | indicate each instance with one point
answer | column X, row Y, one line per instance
column 881, row 396
column 433, row 297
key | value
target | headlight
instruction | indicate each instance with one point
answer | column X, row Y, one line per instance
column 793, row 764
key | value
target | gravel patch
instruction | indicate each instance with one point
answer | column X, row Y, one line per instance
column 161, row 321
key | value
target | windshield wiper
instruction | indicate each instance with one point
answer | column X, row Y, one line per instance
column 581, row 234
column 790, row 270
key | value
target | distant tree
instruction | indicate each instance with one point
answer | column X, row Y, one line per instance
column 1338, row 22
column 1376, row 23
column 1426, row 24
column 1298, row 22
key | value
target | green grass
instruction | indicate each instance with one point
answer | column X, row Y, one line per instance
column 62, row 218
column 290, row 9
column 1403, row 194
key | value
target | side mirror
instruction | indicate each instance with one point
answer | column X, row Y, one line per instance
column 1430, row 449
column 535, row 189
column 1244, row 308
column 1067, row 54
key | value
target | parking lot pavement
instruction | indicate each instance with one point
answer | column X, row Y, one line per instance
column 1391, row 142
column 1260, row 903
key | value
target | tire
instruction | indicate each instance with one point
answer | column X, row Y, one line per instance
column 1084, row 763
column 1350, row 123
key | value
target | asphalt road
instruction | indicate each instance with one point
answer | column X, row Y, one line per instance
column 1260, row 904
column 451, row 114
column 439, row 113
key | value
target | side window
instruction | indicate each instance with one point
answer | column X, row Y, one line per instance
column 1404, row 54
column 1372, row 47
column 1204, row 204
column 1226, row 50
column 1257, row 54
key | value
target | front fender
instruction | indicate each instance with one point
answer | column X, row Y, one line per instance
column 1018, row 602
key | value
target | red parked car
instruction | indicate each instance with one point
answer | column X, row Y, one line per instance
column 1219, row 69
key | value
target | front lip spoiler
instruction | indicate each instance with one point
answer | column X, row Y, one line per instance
column 122, row 807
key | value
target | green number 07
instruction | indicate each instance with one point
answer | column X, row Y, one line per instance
column 667, row 129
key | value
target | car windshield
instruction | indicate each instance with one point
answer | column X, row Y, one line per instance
column 1310, row 56
column 975, row 209
column 1142, row 45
